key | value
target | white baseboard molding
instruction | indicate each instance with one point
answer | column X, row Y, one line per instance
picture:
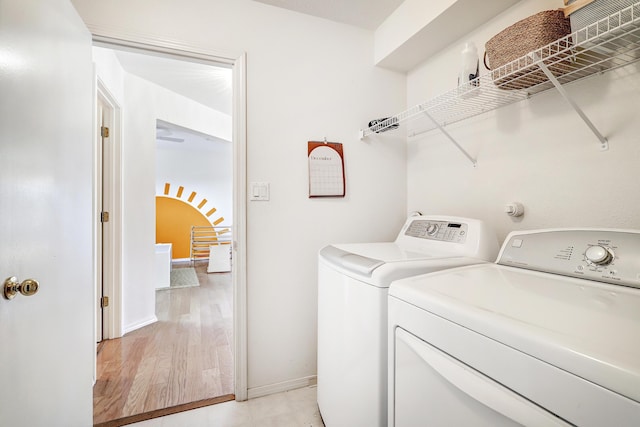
column 130, row 328
column 266, row 390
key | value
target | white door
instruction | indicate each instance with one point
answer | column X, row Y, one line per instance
column 104, row 195
column 46, row 214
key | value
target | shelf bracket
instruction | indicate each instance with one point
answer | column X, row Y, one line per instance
column 444, row 131
column 604, row 143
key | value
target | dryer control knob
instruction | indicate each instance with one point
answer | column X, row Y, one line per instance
column 598, row 255
column 432, row 229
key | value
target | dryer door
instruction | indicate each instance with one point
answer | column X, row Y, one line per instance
column 435, row 389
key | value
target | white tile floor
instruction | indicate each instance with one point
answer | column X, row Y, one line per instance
column 295, row 408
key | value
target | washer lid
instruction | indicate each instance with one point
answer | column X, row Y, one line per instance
column 378, row 264
column 383, row 252
column 357, row 263
column 588, row 328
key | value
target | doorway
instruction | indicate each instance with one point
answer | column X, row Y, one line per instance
column 238, row 215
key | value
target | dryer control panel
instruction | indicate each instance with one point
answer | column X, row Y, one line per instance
column 438, row 230
column 605, row 255
column 445, row 235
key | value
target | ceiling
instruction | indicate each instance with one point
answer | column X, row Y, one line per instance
column 169, row 135
column 207, row 84
column 368, row 14
column 203, row 83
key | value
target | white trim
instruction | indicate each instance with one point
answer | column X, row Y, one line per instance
column 240, row 326
column 238, row 62
column 139, row 325
column 113, row 267
column 118, row 37
column 266, row 390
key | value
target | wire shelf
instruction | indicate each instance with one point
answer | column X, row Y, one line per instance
column 605, row 45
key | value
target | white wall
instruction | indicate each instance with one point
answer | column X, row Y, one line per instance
column 307, row 79
column 206, row 170
column 537, row 152
column 183, row 111
column 139, row 209
column 109, row 71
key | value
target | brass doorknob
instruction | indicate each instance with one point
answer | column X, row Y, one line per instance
column 27, row 287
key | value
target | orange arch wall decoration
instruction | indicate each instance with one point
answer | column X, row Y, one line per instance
column 175, row 217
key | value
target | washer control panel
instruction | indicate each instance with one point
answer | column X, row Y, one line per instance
column 455, row 232
column 611, row 256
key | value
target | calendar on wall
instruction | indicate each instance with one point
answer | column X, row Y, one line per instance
column 326, row 169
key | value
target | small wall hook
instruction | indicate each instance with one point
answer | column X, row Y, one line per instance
column 514, row 209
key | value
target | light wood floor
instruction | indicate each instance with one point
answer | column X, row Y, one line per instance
column 185, row 357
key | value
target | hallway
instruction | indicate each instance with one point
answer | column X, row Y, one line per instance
column 183, row 358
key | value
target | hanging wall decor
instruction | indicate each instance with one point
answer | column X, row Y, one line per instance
column 326, row 169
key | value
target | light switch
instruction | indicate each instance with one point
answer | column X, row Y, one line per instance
column 259, row 191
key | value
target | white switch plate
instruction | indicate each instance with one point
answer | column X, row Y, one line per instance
column 259, row 191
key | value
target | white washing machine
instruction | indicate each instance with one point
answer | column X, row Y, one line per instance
column 353, row 281
column 549, row 335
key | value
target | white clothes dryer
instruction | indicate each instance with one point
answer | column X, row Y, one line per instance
column 353, row 281
column 546, row 336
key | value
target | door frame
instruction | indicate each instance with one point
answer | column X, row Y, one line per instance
column 237, row 61
column 109, row 246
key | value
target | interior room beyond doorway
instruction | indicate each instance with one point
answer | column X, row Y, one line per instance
column 185, row 357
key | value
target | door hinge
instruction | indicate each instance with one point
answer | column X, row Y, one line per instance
column 104, row 302
column 104, row 132
column 104, row 217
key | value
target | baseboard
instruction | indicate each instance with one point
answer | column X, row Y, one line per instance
column 131, row 328
column 266, row 390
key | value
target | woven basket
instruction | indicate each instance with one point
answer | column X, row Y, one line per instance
column 518, row 40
